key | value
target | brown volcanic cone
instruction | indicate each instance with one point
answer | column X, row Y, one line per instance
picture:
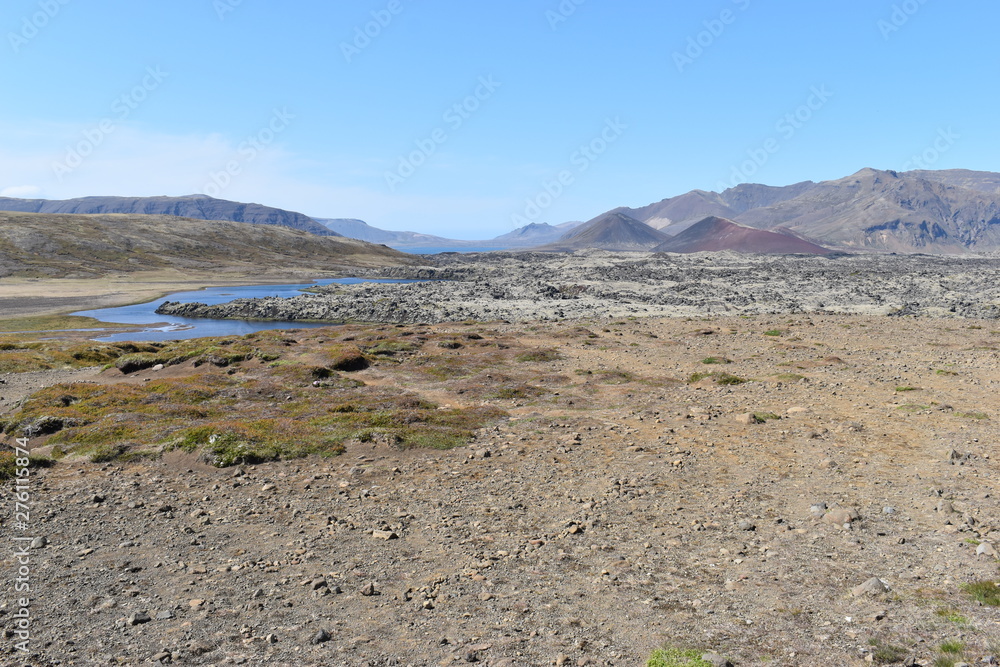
column 611, row 231
column 714, row 234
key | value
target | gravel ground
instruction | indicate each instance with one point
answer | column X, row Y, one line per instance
column 623, row 509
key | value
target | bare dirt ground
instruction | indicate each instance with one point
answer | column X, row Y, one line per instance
column 626, row 507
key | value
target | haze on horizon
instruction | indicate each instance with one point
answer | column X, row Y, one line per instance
column 466, row 121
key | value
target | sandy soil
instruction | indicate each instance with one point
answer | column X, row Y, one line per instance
column 623, row 509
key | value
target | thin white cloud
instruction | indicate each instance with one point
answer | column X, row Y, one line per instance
column 132, row 162
column 21, row 191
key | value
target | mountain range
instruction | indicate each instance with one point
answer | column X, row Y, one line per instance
column 947, row 211
column 198, row 207
column 529, row 236
column 44, row 245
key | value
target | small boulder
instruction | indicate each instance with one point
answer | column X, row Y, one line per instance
column 841, row 516
column 716, row 660
column 138, row 618
column 321, row 637
column 872, row 587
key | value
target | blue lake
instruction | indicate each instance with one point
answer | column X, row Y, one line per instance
column 169, row 327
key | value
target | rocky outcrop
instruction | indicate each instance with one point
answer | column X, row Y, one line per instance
column 532, row 286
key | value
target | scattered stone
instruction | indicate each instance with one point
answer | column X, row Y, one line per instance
column 986, row 549
column 716, row 660
column 138, row 618
column 945, row 507
column 369, row 590
column 747, row 525
column 321, row 637
column 39, row 542
column 872, row 587
column 841, row 516
column 748, row 419
column 385, row 535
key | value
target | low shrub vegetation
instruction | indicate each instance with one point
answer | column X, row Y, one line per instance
column 674, row 657
column 263, row 397
column 719, row 378
column 986, row 592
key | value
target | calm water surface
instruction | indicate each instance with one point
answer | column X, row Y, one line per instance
column 169, row 327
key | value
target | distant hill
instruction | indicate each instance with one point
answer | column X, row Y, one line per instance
column 44, row 245
column 524, row 237
column 359, row 229
column 946, row 211
column 535, row 234
column 715, row 234
column 199, row 207
column 611, row 231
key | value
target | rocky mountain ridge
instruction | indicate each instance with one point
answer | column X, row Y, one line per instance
column 946, row 211
column 198, row 207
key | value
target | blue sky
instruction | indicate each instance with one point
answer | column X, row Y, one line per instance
column 466, row 119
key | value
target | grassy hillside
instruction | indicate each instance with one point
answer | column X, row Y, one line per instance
column 39, row 245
